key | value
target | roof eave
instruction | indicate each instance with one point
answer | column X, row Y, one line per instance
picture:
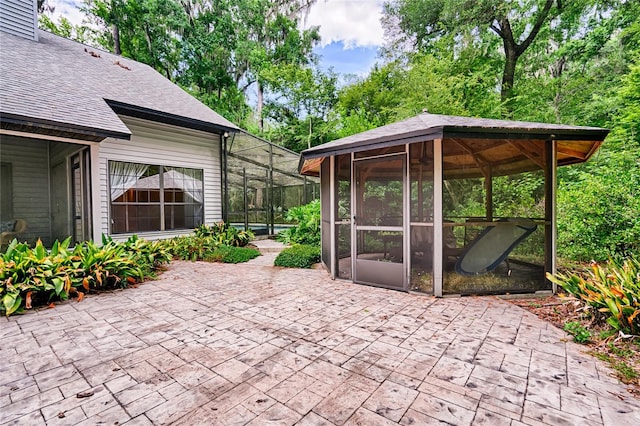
column 584, row 134
column 74, row 131
column 167, row 118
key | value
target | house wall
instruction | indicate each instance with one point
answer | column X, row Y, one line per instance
column 19, row 17
column 160, row 144
column 29, row 160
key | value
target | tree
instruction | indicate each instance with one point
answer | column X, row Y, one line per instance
column 144, row 30
column 464, row 24
column 269, row 35
column 301, row 110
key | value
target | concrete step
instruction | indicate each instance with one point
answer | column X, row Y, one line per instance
column 269, row 246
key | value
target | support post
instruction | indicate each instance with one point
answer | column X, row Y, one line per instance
column 488, row 184
column 246, row 199
column 550, row 213
column 332, row 215
column 96, row 197
column 406, row 217
column 438, row 257
column 271, row 210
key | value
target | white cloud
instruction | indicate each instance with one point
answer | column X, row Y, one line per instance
column 353, row 22
column 70, row 9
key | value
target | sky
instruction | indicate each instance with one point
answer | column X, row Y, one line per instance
column 350, row 31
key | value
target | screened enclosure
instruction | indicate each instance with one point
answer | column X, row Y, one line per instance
column 445, row 205
column 261, row 183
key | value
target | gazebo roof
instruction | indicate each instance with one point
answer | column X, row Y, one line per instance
column 471, row 146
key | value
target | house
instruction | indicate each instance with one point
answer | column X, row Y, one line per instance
column 92, row 143
column 445, row 204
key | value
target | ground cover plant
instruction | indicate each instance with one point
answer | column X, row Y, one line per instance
column 298, row 256
column 37, row 276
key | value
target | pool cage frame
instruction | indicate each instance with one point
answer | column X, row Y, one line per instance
column 260, row 182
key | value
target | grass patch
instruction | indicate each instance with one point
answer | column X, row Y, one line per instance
column 579, row 333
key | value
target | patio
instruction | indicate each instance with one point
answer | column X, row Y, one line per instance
column 253, row 344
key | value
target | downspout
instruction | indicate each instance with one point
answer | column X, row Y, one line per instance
column 225, row 178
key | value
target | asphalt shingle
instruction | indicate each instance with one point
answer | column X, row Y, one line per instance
column 67, row 83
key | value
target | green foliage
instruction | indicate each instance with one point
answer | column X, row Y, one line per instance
column 579, row 333
column 298, row 256
column 65, row 28
column 612, row 290
column 598, row 207
column 142, row 30
column 215, row 50
column 216, row 243
column 224, row 234
column 32, row 276
column 191, row 248
column 230, row 254
column 307, row 225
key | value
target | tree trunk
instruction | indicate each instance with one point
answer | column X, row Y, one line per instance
column 508, row 75
column 259, row 107
column 115, row 31
column 556, row 73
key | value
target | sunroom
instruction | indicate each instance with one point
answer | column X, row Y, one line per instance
column 445, row 205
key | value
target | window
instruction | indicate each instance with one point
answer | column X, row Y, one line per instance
column 154, row 198
column 6, row 192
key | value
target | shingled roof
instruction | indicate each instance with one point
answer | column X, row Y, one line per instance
column 61, row 87
column 469, row 143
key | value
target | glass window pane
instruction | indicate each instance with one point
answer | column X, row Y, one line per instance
column 136, row 202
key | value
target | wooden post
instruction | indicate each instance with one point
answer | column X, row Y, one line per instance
column 488, row 184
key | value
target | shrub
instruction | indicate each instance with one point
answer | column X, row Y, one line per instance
column 208, row 248
column 298, row 256
column 223, row 234
column 191, row 247
column 307, row 225
column 598, row 210
column 32, row 276
column 612, row 290
column 230, row 254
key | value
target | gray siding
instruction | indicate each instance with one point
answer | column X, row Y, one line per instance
column 19, row 17
column 29, row 159
column 158, row 144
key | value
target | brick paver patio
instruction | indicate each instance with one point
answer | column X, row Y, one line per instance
column 253, row 344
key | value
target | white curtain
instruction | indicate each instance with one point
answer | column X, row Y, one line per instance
column 123, row 176
column 188, row 180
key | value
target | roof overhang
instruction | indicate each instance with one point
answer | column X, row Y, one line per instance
column 167, row 118
column 33, row 125
column 523, row 143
